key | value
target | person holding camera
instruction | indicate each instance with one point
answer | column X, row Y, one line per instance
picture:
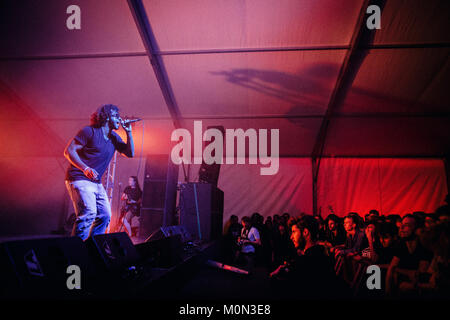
column 248, row 242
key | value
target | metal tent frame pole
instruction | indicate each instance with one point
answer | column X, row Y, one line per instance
column 109, row 183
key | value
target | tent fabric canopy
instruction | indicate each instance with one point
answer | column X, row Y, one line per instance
column 280, row 68
column 241, row 64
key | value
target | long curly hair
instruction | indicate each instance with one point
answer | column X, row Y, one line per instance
column 136, row 182
column 101, row 115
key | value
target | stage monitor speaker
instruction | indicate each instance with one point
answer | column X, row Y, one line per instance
column 164, row 252
column 38, row 267
column 159, row 194
column 177, row 230
column 165, row 232
column 150, row 221
column 209, row 173
column 206, row 222
column 114, row 251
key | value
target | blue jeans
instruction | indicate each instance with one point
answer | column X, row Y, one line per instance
column 92, row 208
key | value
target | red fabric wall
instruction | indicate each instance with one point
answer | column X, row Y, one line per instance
column 388, row 185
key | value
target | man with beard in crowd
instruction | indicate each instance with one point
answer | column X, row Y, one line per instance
column 310, row 273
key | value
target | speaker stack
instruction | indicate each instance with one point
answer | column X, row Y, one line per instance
column 209, row 173
column 159, row 194
column 201, row 210
column 201, row 204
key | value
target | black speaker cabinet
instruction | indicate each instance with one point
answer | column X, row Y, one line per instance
column 201, row 210
column 209, row 173
column 165, row 232
column 163, row 251
column 38, row 267
column 159, row 194
column 113, row 251
column 150, row 221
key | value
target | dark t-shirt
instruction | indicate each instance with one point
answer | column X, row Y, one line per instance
column 132, row 193
column 385, row 255
column 315, row 261
column 411, row 260
column 356, row 243
column 96, row 152
column 337, row 239
column 312, row 273
column 234, row 231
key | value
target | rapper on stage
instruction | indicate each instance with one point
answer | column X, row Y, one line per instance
column 89, row 154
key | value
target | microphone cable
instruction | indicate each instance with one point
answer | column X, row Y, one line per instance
column 142, row 148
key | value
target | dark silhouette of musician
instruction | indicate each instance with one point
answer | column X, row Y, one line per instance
column 132, row 198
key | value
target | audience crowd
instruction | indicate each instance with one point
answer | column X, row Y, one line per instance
column 329, row 257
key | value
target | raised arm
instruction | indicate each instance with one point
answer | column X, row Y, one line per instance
column 129, row 150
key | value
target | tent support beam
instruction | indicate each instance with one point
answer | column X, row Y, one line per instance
column 437, row 115
column 143, row 24
column 151, row 47
column 361, row 38
column 220, row 51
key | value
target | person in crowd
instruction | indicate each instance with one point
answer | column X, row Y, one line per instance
column 443, row 212
column 355, row 241
column 427, row 234
column 286, row 217
column 371, row 232
column 381, row 219
column 410, row 259
column 310, row 272
column 267, row 241
column 420, row 220
column 334, row 234
column 388, row 235
column 232, row 233
column 431, row 220
column 322, row 227
column 374, row 215
column 396, row 219
column 269, row 222
column 235, row 227
column 436, row 280
column 282, row 246
column 257, row 221
column 277, row 220
column 444, row 217
column 358, row 219
column 248, row 242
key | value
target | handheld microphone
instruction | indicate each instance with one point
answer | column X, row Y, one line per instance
column 127, row 121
